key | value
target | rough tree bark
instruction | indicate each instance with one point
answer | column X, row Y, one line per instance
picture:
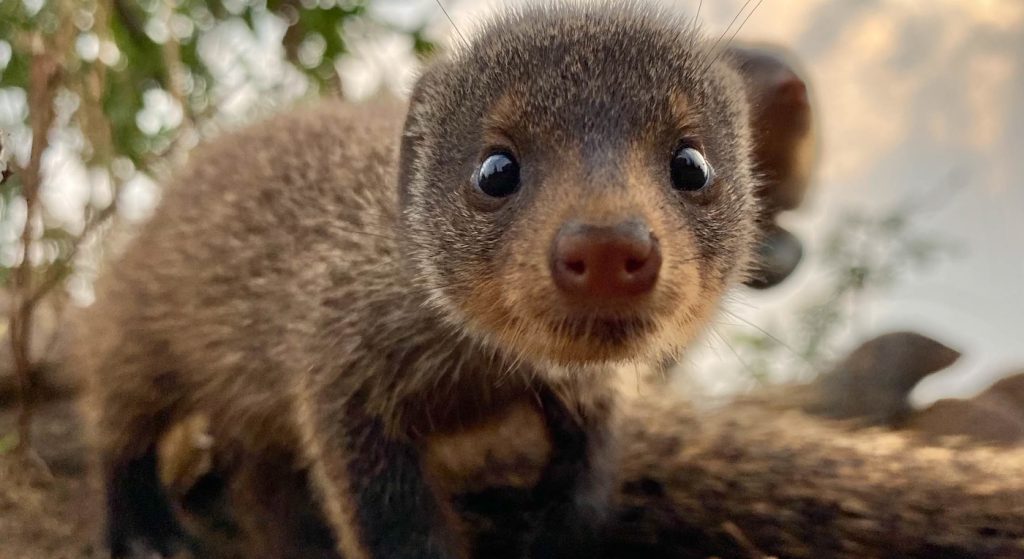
column 747, row 482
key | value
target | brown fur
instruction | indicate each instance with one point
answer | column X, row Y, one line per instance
column 782, row 124
column 483, row 457
column 315, row 310
column 785, row 141
column 185, row 454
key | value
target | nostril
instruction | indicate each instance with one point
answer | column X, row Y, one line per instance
column 634, row 264
column 577, row 267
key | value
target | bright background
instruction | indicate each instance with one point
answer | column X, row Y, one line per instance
column 919, row 102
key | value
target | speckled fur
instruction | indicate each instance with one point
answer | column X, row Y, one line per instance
column 316, row 287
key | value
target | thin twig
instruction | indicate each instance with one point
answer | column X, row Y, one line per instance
column 56, row 273
column 6, row 172
column 43, row 79
column 741, row 539
column 173, row 66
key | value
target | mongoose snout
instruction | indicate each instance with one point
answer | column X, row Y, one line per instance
column 594, row 263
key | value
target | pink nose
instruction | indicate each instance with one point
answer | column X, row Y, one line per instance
column 592, row 262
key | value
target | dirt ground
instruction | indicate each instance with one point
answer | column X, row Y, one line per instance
column 55, row 515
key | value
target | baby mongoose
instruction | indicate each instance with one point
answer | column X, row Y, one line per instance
column 785, row 151
column 571, row 190
column 871, row 385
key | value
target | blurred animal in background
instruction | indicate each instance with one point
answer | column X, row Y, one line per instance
column 871, row 384
column 785, row 149
column 870, row 387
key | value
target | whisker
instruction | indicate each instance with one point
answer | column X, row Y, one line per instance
column 711, row 51
column 744, row 22
column 452, row 21
column 743, row 362
column 696, row 21
column 800, row 357
column 729, row 42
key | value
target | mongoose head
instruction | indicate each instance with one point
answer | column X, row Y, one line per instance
column 576, row 183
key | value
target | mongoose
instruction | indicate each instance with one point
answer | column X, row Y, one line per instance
column 360, row 293
column 869, row 386
column 785, row 151
column 872, row 383
column 782, row 124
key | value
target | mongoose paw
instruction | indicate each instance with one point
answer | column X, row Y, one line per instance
column 141, row 523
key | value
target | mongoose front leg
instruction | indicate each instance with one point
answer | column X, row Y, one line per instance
column 139, row 518
column 574, row 487
column 373, row 488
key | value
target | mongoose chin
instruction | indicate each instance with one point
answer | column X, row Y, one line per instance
column 390, row 304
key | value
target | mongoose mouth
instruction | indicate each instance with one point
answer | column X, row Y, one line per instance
column 606, row 331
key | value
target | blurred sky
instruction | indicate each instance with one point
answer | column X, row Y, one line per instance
column 918, row 100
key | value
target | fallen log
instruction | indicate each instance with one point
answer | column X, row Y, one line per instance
column 743, row 481
column 747, row 482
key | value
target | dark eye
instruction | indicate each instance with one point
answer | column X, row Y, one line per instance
column 690, row 171
column 498, row 176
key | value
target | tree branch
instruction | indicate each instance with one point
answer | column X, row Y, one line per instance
column 795, row 486
column 7, row 171
column 44, row 77
column 57, row 271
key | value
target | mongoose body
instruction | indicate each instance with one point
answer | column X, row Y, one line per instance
column 369, row 291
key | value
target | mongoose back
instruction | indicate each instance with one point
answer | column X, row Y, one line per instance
column 360, row 292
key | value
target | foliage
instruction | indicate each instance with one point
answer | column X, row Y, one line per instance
column 116, row 88
column 123, row 60
column 863, row 253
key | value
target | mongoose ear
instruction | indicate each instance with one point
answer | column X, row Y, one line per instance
column 413, row 130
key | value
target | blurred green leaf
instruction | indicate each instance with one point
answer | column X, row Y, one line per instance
column 8, row 442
